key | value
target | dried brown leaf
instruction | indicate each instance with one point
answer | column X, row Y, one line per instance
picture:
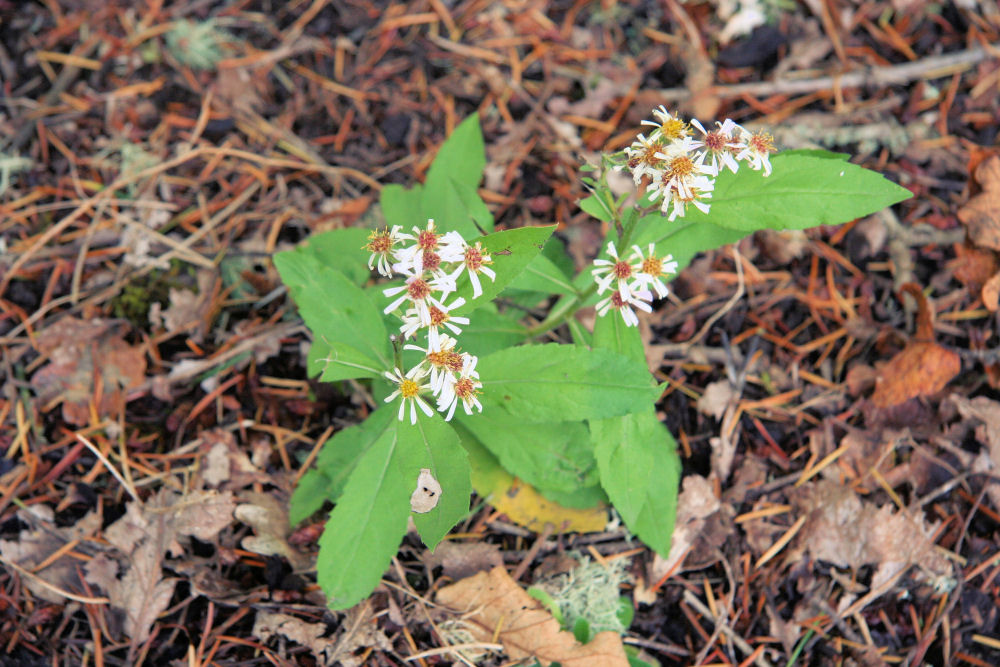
column 716, row 398
column 269, row 519
column 844, row 530
column 695, row 504
column 981, row 214
column 991, row 293
column 36, row 544
column 463, row 559
column 81, row 352
column 921, row 369
column 225, row 463
column 493, row 602
column 973, row 266
column 987, row 412
column 188, row 310
column 267, row 625
column 145, row 532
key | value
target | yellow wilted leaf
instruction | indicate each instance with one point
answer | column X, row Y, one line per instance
column 527, row 507
column 521, row 502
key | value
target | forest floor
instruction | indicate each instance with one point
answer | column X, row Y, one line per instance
column 839, row 421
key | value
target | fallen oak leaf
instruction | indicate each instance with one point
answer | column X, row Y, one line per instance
column 82, row 355
column 844, row 530
column 922, row 368
column 496, row 608
column 143, row 535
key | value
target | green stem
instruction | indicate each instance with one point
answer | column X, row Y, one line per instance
column 566, row 309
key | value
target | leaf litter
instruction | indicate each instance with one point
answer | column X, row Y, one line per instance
column 889, row 436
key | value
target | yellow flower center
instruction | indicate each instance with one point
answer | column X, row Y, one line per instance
column 418, row 289
column 408, row 388
column 652, row 266
column 681, row 166
column 465, row 389
column 762, row 143
column 379, row 242
column 674, row 128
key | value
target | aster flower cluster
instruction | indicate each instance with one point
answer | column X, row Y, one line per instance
column 632, row 281
column 431, row 265
column 681, row 165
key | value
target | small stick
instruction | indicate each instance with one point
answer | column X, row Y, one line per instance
column 928, row 68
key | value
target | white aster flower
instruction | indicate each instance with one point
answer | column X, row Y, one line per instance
column 651, row 270
column 474, row 260
column 624, row 304
column 721, row 145
column 668, row 126
column 677, row 204
column 462, row 388
column 409, row 388
column 420, row 293
column 444, row 361
column 758, row 146
column 381, row 245
column 642, row 160
column 425, row 241
column 607, row 272
column 439, row 317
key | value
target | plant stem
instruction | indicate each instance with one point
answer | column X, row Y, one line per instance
column 566, row 309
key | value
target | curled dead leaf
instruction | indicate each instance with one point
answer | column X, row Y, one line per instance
column 922, row 368
column 498, row 609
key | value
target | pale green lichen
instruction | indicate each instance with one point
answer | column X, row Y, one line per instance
column 197, row 44
column 590, row 591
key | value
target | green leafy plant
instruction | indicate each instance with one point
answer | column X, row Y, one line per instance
column 575, row 417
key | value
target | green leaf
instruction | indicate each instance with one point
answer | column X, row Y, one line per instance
column 626, row 612
column 444, row 201
column 820, row 153
column 640, row 471
column 581, row 630
column 489, row 331
column 550, row 456
column 335, row 463
column 462, row 157
column 611, row 333
column 541, row 383
column 597, row 207
column 365, row 528
column 802, row 191
column 542, row 275
column 682, row 238
column 402, row 206
column 450, row 195
column 343, row 250
column 367, row 524
column 340, row 315
column 310, row 493
column 434, row 445
column 510, row 251
column 336, row 361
